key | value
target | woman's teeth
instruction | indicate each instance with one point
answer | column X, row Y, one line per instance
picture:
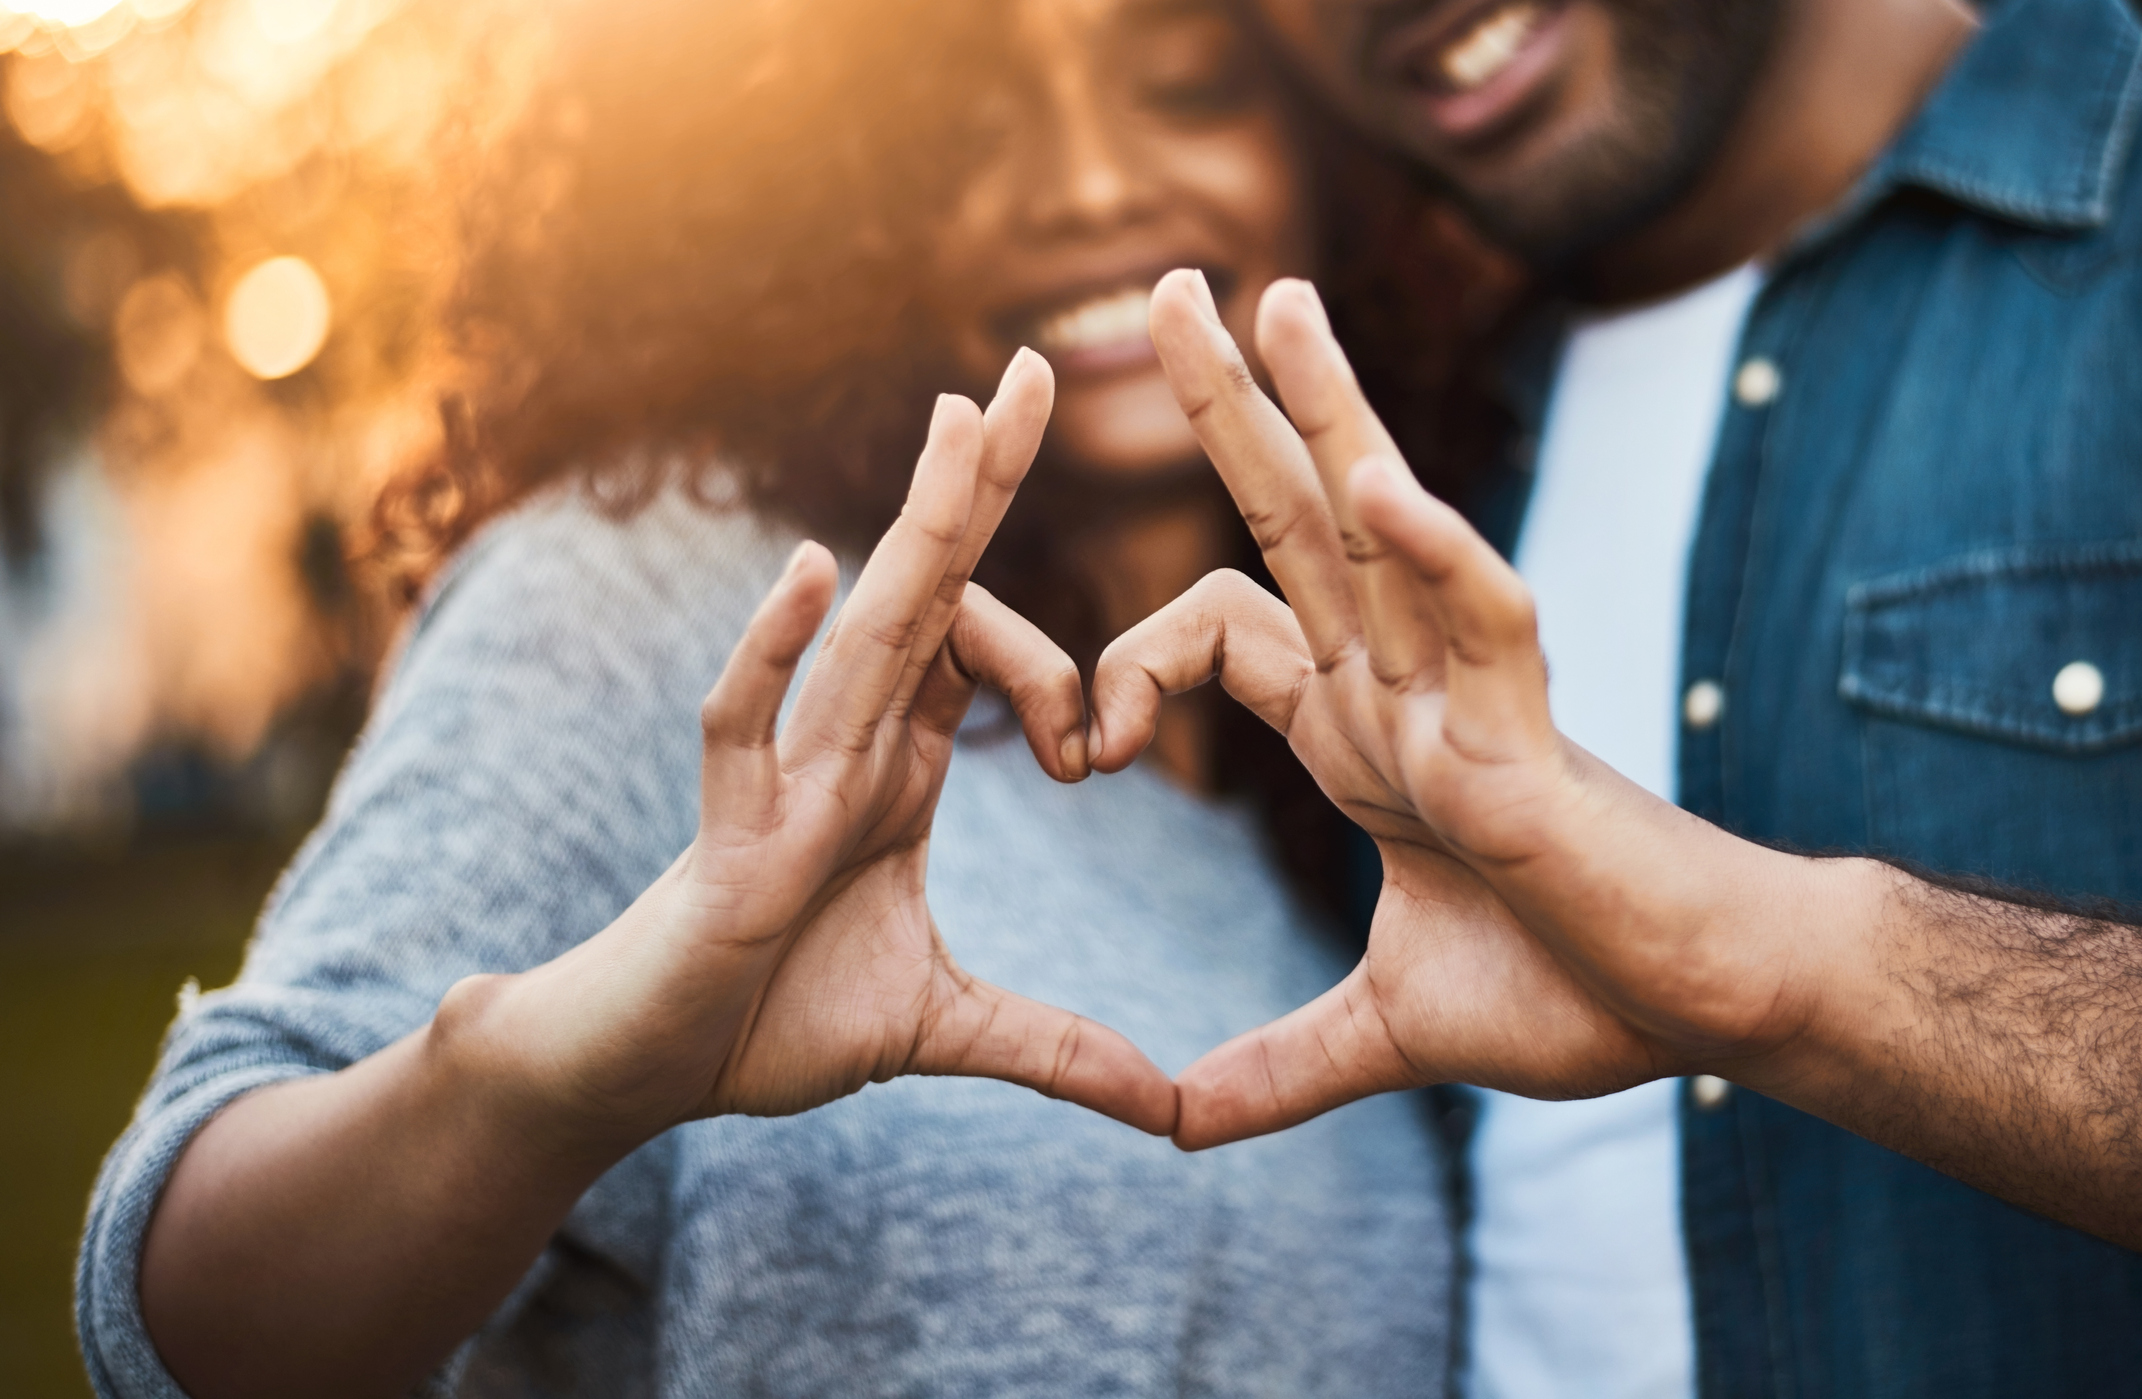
column 1490, row 46
column 1097, row 322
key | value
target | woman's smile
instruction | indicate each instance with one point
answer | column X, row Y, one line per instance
column 1097, row 334
column 1147, row 137
column 1099, row 329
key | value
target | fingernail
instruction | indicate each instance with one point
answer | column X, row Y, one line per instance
column 1018, row 359
column 1072, row 754
column 1306, row 290
column 795, row 560
column 937, row 414
column 1203, row 291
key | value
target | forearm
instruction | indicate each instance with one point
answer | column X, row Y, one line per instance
column 1995, row 1038
column 1996, row 1041
column 339, row 1235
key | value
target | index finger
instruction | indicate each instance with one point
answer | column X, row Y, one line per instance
column 866, row 651
column 1325, row 401
column 1011, row 433
column 1258, row 454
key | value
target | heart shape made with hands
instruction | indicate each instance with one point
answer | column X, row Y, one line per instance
column 789, row 956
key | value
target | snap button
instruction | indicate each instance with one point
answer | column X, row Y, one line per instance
column 1703, row 703
column 1758, row 383
column 1709, row 1092
column 2079, row 688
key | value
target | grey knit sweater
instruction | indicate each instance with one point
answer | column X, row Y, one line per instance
column 533, row 765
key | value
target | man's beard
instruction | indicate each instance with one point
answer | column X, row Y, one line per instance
column 1685, row 69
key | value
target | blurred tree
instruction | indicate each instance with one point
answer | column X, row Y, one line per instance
column 52, row 369
column 69, row 247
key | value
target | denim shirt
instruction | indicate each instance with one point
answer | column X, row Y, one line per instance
column 1926, row 503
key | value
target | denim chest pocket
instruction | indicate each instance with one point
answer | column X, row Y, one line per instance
column 2041, row 647
column 2003, row 697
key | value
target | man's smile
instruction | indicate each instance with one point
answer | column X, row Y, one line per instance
column 1472, row 68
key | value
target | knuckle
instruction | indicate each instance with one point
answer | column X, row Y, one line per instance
column 1333, row 657
column 1198, row 406
column 939, row 529
column 1363, row 548
column 1068, row 1046
column 896, row 635
column 1516, row 617
column 1271, row 528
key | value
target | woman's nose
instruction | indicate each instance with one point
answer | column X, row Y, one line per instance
column 1091, row 175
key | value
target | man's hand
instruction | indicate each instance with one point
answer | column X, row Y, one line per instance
column 1548, row 927
column 1545, row 927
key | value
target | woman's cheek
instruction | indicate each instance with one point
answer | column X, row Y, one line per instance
column 1252, row 179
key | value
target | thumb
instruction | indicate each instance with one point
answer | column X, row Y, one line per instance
column 988, row 1032
column 1325, row 1055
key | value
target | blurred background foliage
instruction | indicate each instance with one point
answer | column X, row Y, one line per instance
column 218, row 243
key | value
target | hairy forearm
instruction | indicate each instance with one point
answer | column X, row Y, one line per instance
column 1996, row 1037
column 339, row 1235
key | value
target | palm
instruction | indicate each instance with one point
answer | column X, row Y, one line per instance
column 864, row 973
column 789, row 957
column 1336, row 731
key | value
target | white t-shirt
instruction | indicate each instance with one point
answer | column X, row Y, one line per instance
column 1580, row 1281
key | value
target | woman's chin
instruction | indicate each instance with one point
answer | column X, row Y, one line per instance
column 1126, row 429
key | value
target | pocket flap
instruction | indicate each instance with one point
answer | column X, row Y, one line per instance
column 1976, row 644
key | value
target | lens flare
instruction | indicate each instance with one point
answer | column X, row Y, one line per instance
column 277, row 318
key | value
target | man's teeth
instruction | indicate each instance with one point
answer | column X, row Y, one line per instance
column 1103, row 320
column 1490, row 46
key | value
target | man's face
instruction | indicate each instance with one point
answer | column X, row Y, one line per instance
column 1562, row 124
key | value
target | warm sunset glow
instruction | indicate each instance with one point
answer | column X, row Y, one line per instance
column 189, row 140
column 277, row 318
column 292, row 21
column 68, row 12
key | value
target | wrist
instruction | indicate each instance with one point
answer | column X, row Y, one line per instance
column 485, row 1052
column 1822, row 922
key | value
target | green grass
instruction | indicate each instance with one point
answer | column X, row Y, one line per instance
column 93, row 948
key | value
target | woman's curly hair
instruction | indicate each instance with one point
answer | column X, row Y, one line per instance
column 693, row 259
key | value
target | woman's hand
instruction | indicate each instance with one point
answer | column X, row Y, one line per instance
column 1539, row 925
column 789, row 957
column 338, row 1234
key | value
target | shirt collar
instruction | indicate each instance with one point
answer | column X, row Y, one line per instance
column 2034, row 121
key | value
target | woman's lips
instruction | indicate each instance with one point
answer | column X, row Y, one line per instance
column 1107, row 331
column 1474, row 78
column 1098, row 330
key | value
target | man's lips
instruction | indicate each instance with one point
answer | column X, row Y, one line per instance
column 1474, row 69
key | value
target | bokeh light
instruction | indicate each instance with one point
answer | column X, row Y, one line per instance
column 277, row 318
column 177, row 152
column 157, row 334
